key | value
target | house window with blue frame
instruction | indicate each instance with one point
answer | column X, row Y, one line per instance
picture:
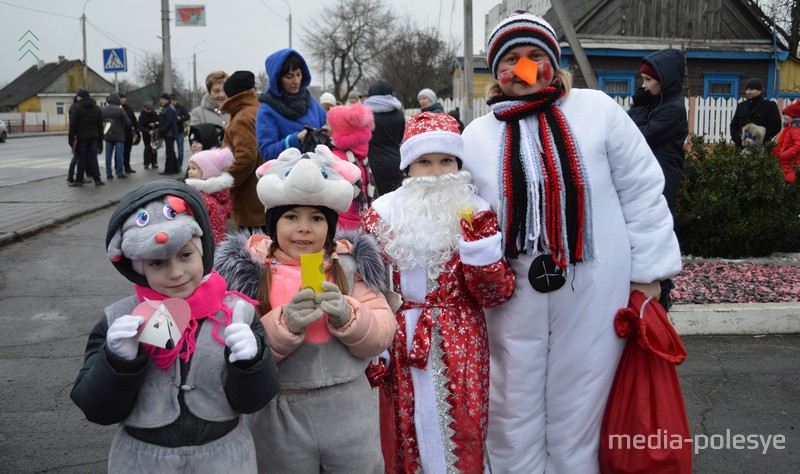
column 721, row 85
column 617, row 84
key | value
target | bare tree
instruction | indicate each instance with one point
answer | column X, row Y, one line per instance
column 785, row 15
column 417, row 58
column 150, row 70
column 262, row 81
column 346, row 44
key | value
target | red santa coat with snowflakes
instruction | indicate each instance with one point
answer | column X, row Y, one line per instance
column 216, row 193
column 435, row 386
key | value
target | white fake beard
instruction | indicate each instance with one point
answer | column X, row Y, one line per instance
column 425, row 227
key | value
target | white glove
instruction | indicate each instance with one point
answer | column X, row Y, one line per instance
column 332, row 302
column 239, row 337
column 121, row 337
column 301, row 311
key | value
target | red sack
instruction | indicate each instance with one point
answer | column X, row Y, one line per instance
column 645, row 429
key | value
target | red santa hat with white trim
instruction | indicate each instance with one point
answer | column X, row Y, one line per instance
column 430, row 132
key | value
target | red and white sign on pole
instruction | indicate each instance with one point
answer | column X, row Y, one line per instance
column 190, row 15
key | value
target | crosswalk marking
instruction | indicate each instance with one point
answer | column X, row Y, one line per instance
column 27, row 163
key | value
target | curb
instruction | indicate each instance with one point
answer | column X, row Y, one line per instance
column 736, row 319
column 16, row 236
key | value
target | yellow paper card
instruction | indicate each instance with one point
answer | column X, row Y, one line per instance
column 312, row 271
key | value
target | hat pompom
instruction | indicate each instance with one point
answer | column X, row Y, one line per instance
column 346, row 120
column 430, row 132
column 213, row 162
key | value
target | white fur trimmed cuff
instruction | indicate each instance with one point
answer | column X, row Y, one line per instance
column 482, row 252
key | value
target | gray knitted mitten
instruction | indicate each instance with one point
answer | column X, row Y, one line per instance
column 301, row 311
column 332, row 302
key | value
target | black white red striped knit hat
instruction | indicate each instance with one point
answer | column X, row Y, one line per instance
column 522, row 29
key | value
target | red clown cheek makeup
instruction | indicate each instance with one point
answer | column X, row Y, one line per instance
column 547, row 71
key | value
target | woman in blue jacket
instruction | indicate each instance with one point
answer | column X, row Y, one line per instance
column 286, row 106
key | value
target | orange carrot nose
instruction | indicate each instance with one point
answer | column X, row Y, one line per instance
column 526, row 70
column 162, row 238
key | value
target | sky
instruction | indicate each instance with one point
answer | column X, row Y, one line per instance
column 239, row 35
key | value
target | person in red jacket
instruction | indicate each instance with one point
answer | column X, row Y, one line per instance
column 351, row 130
column 207, row 174
column 788, row 148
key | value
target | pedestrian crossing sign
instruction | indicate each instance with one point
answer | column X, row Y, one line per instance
column 115, row 60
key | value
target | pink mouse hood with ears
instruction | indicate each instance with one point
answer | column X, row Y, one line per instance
column 308, row 179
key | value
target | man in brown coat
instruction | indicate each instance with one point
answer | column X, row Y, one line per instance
column 240, row 136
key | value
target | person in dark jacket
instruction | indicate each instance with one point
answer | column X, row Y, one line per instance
column 73, row 162
column 755, row 109
column 286, row 106
column 178, row 394
column 183, row 117
column 168, row 130
column 85, row 136
column 148, row 124
column 116, row 121
column 661, row 117
column 384, row 147
column 131, row 133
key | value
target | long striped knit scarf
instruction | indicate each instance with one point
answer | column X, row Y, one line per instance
column 545, row 200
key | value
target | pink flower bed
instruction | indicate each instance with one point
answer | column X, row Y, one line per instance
column 737, row 282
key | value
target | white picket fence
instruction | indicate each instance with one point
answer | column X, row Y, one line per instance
column 708, row 117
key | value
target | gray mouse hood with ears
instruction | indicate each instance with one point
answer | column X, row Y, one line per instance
column 185, row 223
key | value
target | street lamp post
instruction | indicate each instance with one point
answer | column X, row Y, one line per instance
column 290, row 23
column 194, row 72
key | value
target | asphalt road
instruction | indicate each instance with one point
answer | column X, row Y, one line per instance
column 26, row 159
column 53, row 288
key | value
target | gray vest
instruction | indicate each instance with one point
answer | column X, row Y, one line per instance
column 157, row 403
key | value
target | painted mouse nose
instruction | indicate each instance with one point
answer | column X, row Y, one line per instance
column 162, row 238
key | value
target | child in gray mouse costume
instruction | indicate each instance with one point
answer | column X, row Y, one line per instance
column 325, row 418
column 179, row 407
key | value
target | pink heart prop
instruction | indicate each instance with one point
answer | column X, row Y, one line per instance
column 178, row 308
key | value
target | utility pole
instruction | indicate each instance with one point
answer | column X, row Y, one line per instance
column 85, row 67
column 165, row 46
column 572, row 39
column 468, row 77
column 194, row 75
column 290, row 23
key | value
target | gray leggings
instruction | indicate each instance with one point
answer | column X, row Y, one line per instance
column 333, row 429
column 234, row 452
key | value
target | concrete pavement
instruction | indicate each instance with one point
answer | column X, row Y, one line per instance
column 32, row 207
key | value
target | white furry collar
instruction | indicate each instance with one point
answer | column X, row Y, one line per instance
column 212, row 185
